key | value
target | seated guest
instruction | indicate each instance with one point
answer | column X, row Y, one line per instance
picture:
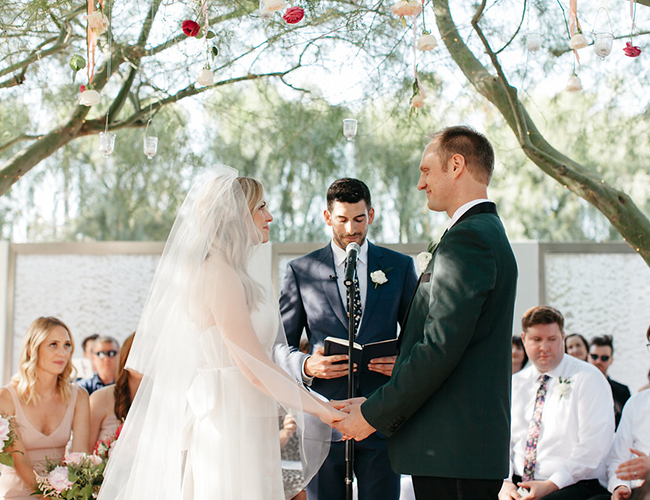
column 47, row 408
column 601, row 355
column 519, row 358
column 106, row 352
column 109, row 405
column 84, row 365
column 576, row 345
column 562, row 425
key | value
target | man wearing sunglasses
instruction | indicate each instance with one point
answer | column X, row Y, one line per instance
column 106, row 357
column 601, row 355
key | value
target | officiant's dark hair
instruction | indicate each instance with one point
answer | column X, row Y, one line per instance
column 348, row 190
column 472, row 145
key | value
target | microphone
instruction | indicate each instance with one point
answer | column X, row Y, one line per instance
column 352, row 254
column 333, row 277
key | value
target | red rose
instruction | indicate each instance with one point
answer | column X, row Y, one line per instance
column 294, row 15
column 191, row 28
column 631, row 51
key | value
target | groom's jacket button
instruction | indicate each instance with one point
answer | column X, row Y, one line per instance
column 396, row 423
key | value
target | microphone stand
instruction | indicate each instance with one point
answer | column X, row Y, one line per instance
column 349, row 444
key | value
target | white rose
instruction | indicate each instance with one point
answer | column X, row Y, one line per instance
column 205, row 78
column 89, row 98
column 406, row 8
column 417, row 101
column 427, row 42
column 574, row 84
column 378, row 277
column 578, row 41
column 4, row 429
column 422, row 261
column 97, row 22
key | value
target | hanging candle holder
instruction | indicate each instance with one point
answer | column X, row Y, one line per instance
column 150, row 146
column 603, row 39
column 533, row 41
column 106, row 143
column 350, row 128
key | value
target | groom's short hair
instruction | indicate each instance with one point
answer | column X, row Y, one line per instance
column 348, row 190
column 472, row 145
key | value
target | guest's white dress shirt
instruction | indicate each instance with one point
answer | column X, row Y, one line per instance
column 577, row 426
column 633, row 432
column 362, row 274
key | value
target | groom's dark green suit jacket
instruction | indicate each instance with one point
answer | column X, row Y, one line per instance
column 446, row 408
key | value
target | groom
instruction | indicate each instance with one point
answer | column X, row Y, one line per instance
column 446, row 409
column 314, row 298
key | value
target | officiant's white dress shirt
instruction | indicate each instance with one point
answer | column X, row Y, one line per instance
column 362, row 274
column 633, row 432
column 577, row 426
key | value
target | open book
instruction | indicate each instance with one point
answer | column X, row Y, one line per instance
column 362, row 354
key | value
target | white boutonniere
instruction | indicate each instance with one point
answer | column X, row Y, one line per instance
column 378, row 277
column 422, row 260
column 564, row 387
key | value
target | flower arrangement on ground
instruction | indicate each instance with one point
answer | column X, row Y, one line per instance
column 77, row 477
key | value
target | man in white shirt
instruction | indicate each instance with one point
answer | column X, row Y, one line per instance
column 562, row 426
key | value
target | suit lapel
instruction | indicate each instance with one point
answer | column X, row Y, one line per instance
column 330, row 286
column 375, row 263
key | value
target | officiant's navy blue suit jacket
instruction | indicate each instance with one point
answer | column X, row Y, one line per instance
column 310, row 299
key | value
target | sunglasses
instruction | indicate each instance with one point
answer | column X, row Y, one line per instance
column 604, row 358
column 103, row 354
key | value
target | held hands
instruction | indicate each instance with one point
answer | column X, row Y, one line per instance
column 354, row 425
column 526, row 490
column 635, row 468
column 382, row 365
column 621, row 493
column 320, row 366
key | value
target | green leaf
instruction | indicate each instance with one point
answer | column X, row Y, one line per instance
column 199, row 34
column 210, row 35
column 7, row 459
column 214, row 51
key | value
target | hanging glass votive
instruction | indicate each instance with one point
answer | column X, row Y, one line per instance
column 603, row 44
column 150, row 146
column 106, row 143
column 534, row 41
column 350, row 128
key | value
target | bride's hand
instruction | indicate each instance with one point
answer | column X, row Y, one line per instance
column 344, row 403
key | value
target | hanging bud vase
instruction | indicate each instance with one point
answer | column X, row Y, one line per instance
column 350, row 128
column 106, row 143
column 150, row 146
column 604, row 37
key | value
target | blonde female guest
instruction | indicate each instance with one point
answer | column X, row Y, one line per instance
column 204, row 422
column 47, row 407
column 110, row 405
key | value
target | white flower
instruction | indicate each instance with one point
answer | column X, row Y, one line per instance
column 205, row 78
column 406, row 8
column 574, row 84
column 4, row 429
column 89, row 98
column 422, row 261
column 578, row 41
column 417, row 101
column 378, row 277
column 274, row 5
column 564, row 387
column 427, row 42
column 97, row 22
column 58, row 479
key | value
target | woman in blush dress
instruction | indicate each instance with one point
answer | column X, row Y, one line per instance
column 110, row 405
column 47, row 407
column 204, row 422
column 576, row 345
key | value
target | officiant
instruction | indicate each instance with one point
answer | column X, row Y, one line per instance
column 314, row 299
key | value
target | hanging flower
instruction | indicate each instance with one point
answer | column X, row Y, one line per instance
column 191, row 28
column 417, row 101
column 406, row 8
column 97, row 22
column 578, row 41
column 427, row 42
column 274, row 5
column 631, row 51
column 294, row 15
column 89, row 97
column 574, row 84
column 205, row 77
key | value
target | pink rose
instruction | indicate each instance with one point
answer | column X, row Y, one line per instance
column 58, row 479
column 293, row 15
column 75, row 458
column 404, row 8
column 95, row 460
column 191, row 28
column 417, row 101
column 631, row 51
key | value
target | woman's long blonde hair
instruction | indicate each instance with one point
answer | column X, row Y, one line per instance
column 25, row 379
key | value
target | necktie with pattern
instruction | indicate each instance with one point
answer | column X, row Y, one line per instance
column 533, row 430
column 357, row 304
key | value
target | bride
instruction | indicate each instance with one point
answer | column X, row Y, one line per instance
column 204, row 422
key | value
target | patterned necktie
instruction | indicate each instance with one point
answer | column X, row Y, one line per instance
column 533, row 430
column 357, row 304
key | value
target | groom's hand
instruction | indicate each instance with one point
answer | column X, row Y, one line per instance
column 354, row 426
column 320, row 366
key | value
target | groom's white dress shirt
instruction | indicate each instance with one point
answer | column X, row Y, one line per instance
column 577, row 425
column 633, row 432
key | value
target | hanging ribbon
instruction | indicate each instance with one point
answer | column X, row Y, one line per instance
column 91, row 44
column 632, row 9
column 415, row 57
column 573, row 22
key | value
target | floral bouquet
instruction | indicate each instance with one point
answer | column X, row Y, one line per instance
column 77, row 477
column 104, row 447
column 8, row 437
